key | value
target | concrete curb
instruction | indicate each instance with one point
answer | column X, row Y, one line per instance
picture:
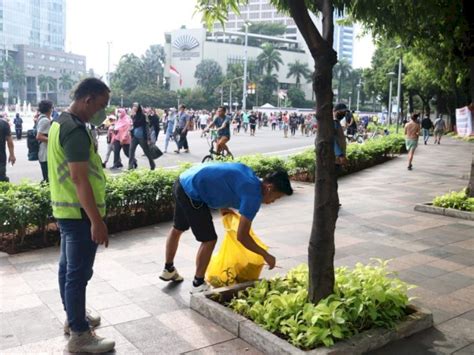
column 269, row 343
column 449, row 212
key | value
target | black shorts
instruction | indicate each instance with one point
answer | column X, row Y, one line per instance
column 189, row 213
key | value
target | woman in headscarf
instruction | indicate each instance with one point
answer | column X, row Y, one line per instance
column 121, row 137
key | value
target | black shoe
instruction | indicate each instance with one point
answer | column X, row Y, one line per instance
column 410, row 167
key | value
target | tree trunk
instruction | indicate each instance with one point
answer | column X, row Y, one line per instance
column 470, row 187
column 326, row 201
column 410, row 102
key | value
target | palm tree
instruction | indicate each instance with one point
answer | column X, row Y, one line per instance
column 298, row 70
column 269, row 59
column 341, row 71
column 66, row 82
column 45, row 83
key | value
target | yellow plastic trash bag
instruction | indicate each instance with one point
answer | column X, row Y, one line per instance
column 234, row 263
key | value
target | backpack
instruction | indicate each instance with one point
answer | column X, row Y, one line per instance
column 33, row 144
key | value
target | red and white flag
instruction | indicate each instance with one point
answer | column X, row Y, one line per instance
column 176, row 73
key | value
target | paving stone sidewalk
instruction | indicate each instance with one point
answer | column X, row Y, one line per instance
column 147, row 316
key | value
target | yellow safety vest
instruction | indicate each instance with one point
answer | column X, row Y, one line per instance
column 64, row 199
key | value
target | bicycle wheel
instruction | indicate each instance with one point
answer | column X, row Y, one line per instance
column 207, row 158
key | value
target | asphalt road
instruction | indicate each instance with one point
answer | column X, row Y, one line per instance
column 265, row 141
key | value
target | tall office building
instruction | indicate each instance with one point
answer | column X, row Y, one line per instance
column 35, row 23
column 343, row 40
column 32, row 34
column 263, row 11
column 260, row 11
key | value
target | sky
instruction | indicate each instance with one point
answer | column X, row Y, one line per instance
column 131, row 26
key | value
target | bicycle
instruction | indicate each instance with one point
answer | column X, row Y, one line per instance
column 213, row 155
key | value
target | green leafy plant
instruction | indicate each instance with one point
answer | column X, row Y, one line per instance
column 457, row 200
column 366, row 297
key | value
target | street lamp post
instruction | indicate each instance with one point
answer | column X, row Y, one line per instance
column 244, row 86
column 358, row 94
column 121, row 100
column 230, row 91
column 350, row 99
column 373, row 101
column 108, row 62
column 389, row 106
column 399, row 88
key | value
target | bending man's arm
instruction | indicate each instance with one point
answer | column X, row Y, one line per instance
column 247, row 241
column 79, row 176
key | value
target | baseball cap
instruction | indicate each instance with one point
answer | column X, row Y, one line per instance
column 340, row 107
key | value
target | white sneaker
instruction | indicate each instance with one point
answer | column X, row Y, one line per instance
column 94, row 321
column 88, row 342
column 171, row 276
column 201, row 288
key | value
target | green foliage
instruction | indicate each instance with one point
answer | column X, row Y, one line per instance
column 457, row 200
column 369, row 296
column 262, row 165
column 298, row 70
column 129, row 74
column 297, row 97
column 269, row 59
column 209, row 75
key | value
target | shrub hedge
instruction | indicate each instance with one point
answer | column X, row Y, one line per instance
column 144, row 197
column 456, row 200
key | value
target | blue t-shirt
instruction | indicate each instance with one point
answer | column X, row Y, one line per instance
column 224, row 185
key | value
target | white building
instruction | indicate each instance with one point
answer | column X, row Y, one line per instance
column 259, row 11
column 186, row 48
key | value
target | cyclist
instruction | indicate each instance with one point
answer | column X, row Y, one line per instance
column 222, row 124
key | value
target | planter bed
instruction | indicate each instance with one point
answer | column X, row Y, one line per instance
column 210, row 306
column 449, row 212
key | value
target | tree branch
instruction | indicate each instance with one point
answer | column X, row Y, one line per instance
column 328, row 22
column 312, row 37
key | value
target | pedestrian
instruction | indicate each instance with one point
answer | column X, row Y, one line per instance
column 121, row 138
column 218, row 186
column 154, row 121
column 170, row 127
column 140, row 136
column 45, row 108
column 340, row 144
column 412, row 132
column 77, row 184
column 184, row 124
column 439, row 129
column 245, row 120
column 203, row 121
column 285, row 121
column 110, row 139
column 293, row 124
column 252, row 120
column 222, row 125
column 5, row 140
column 426, row 125
column 18, row 122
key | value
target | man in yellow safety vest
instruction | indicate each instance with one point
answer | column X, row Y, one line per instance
column 77, row 184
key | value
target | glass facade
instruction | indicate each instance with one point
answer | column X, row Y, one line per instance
column 35, row 23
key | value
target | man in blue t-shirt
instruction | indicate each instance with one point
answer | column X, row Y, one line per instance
column 222, row 124
column 219, row 186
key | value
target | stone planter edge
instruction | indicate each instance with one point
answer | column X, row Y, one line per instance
column 428, row 207
column 269, row 343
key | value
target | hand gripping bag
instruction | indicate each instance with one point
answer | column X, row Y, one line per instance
column 234, row 263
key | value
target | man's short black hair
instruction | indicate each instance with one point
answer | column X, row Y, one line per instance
column 45, row 106
column 340, row 107
column 90, row 86
column 224, row 108
column 280, row 180
column 182, row 107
